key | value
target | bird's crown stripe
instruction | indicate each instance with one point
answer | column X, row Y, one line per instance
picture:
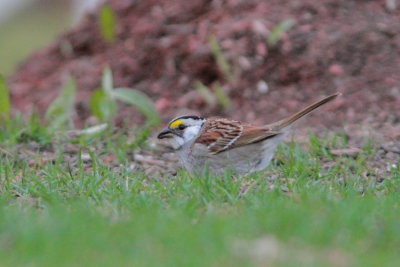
column 175, row 124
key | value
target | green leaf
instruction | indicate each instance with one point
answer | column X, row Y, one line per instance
column 215, row 96
column 205, row 93
column 140, row 101
column 101, row 106
column 222, row 63
column 276, row 33
column 222, row 98
column 4, row 100
column 107, row 23
column 107, row 82
column 59, row 112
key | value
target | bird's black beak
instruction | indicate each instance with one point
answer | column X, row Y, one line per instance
column 165, row 133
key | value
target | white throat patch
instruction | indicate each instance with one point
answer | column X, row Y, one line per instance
column 176, row 142
column 191, row 132
column 189, row 135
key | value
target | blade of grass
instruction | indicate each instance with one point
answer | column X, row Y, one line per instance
column 276, row 33
column 222, row 98
column 205, row 93
column 107, row 23
column 222, row 63
column 4, row 100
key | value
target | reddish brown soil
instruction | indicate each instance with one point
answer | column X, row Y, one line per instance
column 352, row 46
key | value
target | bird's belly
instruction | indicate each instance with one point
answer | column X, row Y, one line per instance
column 239, row 160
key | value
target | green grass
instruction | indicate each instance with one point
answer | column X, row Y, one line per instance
column 75, row 213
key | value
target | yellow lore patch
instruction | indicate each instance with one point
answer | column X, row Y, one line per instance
column 175, row 124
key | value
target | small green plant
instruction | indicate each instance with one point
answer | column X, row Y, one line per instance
column 216, row 96
column 276, row 33
column 4, row 100
column 103, row 101
column 107, row 23
column 140, row 101
column 222, row 98
column 33, row 130
column 219, row 57
column 59, row 113
column 205, row 93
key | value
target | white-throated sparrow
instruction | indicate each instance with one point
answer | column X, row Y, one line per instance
column 224, row 144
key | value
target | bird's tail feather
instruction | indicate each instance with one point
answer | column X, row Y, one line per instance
column 288, row 121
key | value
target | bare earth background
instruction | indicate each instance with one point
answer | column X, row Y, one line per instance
column 162, row 49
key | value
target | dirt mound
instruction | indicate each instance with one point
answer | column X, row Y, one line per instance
column 163, row 49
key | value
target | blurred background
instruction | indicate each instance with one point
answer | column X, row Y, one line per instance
column 252, row 60
column 28, row 25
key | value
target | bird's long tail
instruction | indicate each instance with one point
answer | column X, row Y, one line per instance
column 288, row 121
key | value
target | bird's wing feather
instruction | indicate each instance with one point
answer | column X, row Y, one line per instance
column 220, row 134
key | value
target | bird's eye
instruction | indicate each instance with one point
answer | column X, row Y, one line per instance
column 181, row 127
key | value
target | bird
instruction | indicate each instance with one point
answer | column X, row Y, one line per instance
column 220, row 144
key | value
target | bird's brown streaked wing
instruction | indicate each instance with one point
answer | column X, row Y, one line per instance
column 253, row 134
column 221, row 134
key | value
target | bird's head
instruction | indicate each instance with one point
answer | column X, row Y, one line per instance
column 182, row 130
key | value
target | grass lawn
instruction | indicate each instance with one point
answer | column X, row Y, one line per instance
column 309, row 208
